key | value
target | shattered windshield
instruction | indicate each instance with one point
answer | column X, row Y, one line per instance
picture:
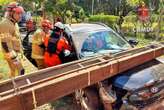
column 103, row 42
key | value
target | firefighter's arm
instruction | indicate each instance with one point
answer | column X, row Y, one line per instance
column 3, row 38
column 37, row 38
column 67, row 51
column 5, row 47
column 9, row 54
column 64, row 47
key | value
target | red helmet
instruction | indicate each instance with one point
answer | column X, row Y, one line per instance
column 30, row 21
column 14, row 7
column 46, row 23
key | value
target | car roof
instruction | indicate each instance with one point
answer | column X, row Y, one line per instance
column 87, row 27
column 81, row 31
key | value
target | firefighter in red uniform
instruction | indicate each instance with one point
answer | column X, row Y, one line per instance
column 143, row 12
column 56, row 47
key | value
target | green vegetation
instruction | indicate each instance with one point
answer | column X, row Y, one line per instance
column 3, row 67
column 110, row 20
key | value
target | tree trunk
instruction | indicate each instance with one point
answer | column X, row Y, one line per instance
column 159, row 24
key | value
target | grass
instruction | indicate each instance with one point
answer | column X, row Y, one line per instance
column 142, row 41
column 4, row 70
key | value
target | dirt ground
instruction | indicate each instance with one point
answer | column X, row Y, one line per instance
column 64, row 103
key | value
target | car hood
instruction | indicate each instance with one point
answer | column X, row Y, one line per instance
column 101, row 52
column 139, row 76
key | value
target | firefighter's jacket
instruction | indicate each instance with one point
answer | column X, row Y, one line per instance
column 52, row 59
column 9, row 33
column 37, row 40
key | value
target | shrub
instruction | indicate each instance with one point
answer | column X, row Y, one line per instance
column 128, row 27
column 131, row 18
column 109, row 20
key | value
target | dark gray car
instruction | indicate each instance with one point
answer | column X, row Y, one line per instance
column 96, row 39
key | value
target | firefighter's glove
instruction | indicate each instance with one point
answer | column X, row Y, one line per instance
column 13, row 54
column 66, row 52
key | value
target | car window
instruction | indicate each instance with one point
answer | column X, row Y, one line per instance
column 104, row 41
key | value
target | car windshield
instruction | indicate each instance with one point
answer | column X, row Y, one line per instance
column 103, row 42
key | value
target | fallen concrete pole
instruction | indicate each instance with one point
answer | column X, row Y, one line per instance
column 53, row 83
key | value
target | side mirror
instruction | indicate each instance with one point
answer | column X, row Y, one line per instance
column 133, row 42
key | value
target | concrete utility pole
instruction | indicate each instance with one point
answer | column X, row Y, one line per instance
column 93, row 1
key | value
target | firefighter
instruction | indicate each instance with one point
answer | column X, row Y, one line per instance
column 143, row 12
column 30, row 25
column 10, row 38
column 31, row 28
column 37, row 42
column 57, row 47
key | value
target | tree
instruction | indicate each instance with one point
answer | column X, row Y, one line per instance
column 133, row 3
column 3, row 4
column 58, row 8
column 82, row 14
column 69, row 15
column 161, row 11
